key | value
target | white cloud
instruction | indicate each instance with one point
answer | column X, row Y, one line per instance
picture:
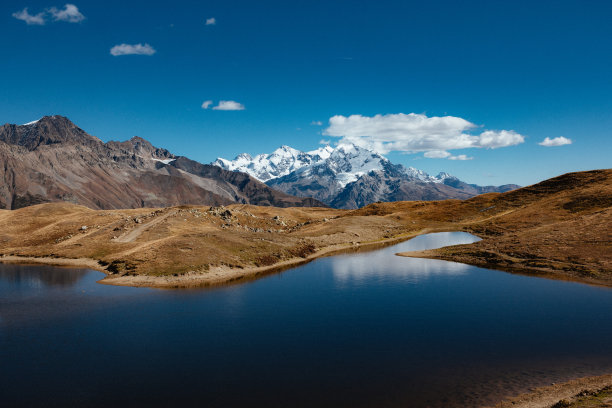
column 70, row 14
column 460, row 157
column 132, row 49
column 211, row 21
column 493, row 139
column 417, row 133
column 324, row 141
column 557, row 141
column 442, row 154
column 437, row 154
column 316, row 123
column 36, row 19
column 229, row 106
column 206, row 104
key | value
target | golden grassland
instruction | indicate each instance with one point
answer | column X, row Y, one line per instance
column 559, row 228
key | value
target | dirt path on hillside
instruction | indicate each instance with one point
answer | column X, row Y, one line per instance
column 132, row 235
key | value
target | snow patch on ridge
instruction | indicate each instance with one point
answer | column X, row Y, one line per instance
column 165, row 161
column 31, row 123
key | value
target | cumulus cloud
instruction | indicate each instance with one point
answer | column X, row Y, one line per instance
column 24, row 15
column 229, row 106
column 206, row 104
column 316, row 123
column 494, row 139
column 132, row 49
column 70, row 13
column 413, row 133
column 557, row 141
column 211, row 21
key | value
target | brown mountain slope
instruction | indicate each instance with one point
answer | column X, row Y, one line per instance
column 53, row 160
column 559, row 228
column 562, row 226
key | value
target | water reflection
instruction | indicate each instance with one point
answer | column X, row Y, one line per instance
column 39, row 276
column 414, row 332
column 385, row 264
column 407, row 269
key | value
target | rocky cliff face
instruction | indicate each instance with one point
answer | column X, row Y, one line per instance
column 349, row 176
column 54, row 160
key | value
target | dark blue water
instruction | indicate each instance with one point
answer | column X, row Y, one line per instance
column 360, row 330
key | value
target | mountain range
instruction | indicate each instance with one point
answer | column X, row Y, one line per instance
column 52, row 159
column 349, row 176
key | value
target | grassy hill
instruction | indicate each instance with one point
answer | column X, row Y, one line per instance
column 558, row 228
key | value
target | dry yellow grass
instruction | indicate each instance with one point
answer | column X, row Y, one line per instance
column 560, row 228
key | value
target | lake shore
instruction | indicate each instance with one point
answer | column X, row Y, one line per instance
column 215, row 276
column 584, row 392
column 498, row 260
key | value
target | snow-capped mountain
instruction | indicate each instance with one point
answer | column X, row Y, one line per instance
column 280, row 162
column 347, row 161
column 349, row 176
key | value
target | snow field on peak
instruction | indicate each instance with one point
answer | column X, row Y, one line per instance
column 347, row 162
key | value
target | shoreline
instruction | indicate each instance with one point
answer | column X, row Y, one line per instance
column 514, row 266
column 217, row 276
column 220, row 276
column 572, row 393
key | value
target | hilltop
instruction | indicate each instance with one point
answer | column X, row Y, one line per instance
column 558, row 228
column 561, row 227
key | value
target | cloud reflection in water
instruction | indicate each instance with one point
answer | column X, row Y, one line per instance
column 385, row 265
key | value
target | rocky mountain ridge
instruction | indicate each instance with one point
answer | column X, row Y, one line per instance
column 52, row 159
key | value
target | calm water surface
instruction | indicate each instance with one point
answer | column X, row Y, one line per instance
column 361, row 330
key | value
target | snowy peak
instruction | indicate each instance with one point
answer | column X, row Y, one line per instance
column 444, row 176
column 345, row 163
column 349, row 162
column 322, row 152
column 422, row 176
column 279, row 163
column 244, row 157
column 348, row 176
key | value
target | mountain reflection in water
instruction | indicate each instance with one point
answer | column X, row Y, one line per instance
column 26, row 275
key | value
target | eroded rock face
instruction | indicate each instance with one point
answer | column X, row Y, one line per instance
column 52, row 159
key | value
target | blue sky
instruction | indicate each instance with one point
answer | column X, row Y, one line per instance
column 536, row 69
